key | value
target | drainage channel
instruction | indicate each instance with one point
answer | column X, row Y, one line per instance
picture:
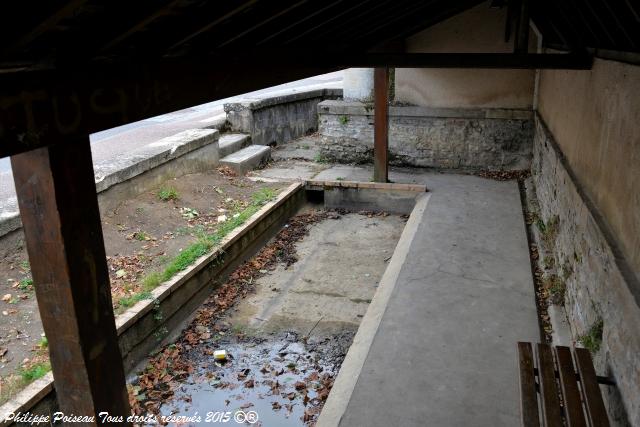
column 285, row 318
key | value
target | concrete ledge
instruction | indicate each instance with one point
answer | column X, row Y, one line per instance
column 259, row 103
column 359, row 108
column 323, row 185
column 278, row 119
column 157, row 153
column 174, row 301
column 345, row 383
column 368, row 196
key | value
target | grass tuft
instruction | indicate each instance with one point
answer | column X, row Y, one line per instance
column 167, row 193
column 34, row 372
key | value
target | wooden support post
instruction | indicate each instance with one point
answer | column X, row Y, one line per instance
column 61, row 221
column 521, row 42
column 381, row 125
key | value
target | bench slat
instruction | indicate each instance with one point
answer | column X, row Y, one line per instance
column 548, row 390
column 529, row 400
column 590, row 389
column 570, row 391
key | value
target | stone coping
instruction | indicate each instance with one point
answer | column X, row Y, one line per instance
column 366, row 109
column 38, row 389
column 259, row 103
column 316, row 184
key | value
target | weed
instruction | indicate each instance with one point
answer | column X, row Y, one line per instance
column 592, row 339
column 25, row 284
column 319, row 158
column 340, row 178
column 549, row 230
column 305, row 147
column 548, row 262
column 189, row 213
column 140, row 210
column 34, row 372
column 556, row 288
column 141, row 236
column 343, row 120
column 43, row 343
column 167, row 193
column 25, row 265
column 185, row 258
column 157, row 313
column 161, row 333
column 151, row 281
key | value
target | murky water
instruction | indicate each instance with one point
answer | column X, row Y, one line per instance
column 277, row 383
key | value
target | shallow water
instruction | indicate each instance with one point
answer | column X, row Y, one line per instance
column 279, row 380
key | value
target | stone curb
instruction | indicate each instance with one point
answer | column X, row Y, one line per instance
column 257, row 104
column 362, row 109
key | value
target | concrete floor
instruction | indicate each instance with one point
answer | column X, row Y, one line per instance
column 331, row 285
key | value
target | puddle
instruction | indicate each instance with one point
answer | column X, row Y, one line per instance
column 280, row 381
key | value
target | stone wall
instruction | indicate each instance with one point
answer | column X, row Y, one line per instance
column 600, row 285
column 444, row 138
column 278, row 119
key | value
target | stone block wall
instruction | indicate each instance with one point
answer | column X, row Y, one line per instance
column 600, row 285
column 446, row 138
column 278, row 119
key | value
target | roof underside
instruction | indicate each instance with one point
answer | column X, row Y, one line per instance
column 38, row 34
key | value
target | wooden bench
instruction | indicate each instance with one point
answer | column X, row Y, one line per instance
column 556, row 393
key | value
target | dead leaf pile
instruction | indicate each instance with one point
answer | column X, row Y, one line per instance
column 503, row 175
column 227, row 171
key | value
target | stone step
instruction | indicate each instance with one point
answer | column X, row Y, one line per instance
column 247, row 159
column 231, row 142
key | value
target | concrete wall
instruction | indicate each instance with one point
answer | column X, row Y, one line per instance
column 479, row 29
column 444, row 138
column 586, row 169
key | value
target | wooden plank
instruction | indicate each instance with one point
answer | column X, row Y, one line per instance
column 551, row 412
column 571, row 394
column 381, row 125
column 61, row 222
column 528, row 395
column 591, row 394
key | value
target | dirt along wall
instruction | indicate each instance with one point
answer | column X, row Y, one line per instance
column 586, row 168
column 480, row 29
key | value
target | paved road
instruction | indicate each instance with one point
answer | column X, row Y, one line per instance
column 117, row 142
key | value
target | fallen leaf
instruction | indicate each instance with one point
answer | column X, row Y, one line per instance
column 6, row 297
